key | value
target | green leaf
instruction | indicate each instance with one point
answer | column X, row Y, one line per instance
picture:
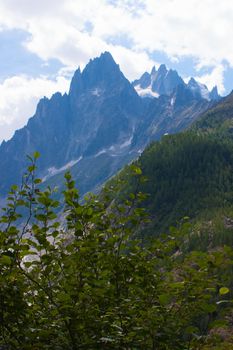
column 89, row 211
column 37, row 181
column 136, row 170
column 31, row 168
column 164, row 299
column 36, row 155
column 14, row 187
column 209, row 308
column 224, row 290
column 192, row 330
column 5, row 260
column 218, row 323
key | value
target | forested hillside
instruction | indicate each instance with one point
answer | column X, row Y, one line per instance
column 191, row 173
column 126, row 269
column 86, row 283
column 186, row 174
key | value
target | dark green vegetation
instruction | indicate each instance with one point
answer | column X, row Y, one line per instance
column 102, row 276
column 84, row 283
column 218, row 118
column 189, row 174
column 186, row 175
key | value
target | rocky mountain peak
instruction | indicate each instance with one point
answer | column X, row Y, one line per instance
column 101, row 72
column 164, row 82
column 153, row 71
column 160, row 82
column 214, row 95
column 76, row 82
column 100, row 125
column 162, row 69
column 192, row 82
column 201, row 90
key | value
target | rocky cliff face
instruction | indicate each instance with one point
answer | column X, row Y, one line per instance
column 100, row 125
column 164, row 82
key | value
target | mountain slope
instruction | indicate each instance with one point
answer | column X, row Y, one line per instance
column 101, row 121
column 190, row 173
column 219, row 118
column 161, row 82
column 169, row 115
column 164, row 82
column 100, row 111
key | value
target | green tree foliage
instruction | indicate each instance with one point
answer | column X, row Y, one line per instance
column 78, row 280
column 187, row 174
column 217, row 119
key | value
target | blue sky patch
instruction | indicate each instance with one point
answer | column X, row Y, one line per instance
column 15, row 59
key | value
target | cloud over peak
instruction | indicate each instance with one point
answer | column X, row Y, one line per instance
column 72, row 32
column 58, row 29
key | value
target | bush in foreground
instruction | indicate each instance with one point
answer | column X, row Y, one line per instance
column 78, row 280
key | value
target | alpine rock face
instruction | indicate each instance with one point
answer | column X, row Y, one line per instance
column 164, row 81
column 100, row 125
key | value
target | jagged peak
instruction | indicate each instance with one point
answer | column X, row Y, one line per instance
column 214, row 89
column 77, row 73
column 145, row 75
column 56, row 95
column 214, row 95
column 105, row 58
column 106, row 55
column 162, row 69
column 181, row 94
column 153, row 71
column 192, row 81
column 75, row 81
column 101, row 73
column 173, row 73
column 144, row 81
column 102, row 70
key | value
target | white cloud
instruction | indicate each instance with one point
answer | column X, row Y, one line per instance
column 179, row 27
column 18, row 98
column 58, row 29
column 213, row 78
column 200, row 29
column 133, row 63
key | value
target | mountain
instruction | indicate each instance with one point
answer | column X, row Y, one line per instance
column 164, row 82
column 190, row 173
column 100, row 111
column 161, row 82
column 169, row 115
column 201, row 90
column 174, row 292
column 218, row 119
column 99, row 126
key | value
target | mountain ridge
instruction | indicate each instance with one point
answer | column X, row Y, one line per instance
column 102, row 118
column 164, row 82
column 189, row 174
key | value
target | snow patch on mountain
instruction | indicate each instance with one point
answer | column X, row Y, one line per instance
column 147, row 92
column 127, row 142
column 102, row 151
column 96, row 92
column 172, row 101
column 204, row 91
column 54, row 171
column 199, row 89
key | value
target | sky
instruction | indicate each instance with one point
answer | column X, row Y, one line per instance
column 43, row 42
